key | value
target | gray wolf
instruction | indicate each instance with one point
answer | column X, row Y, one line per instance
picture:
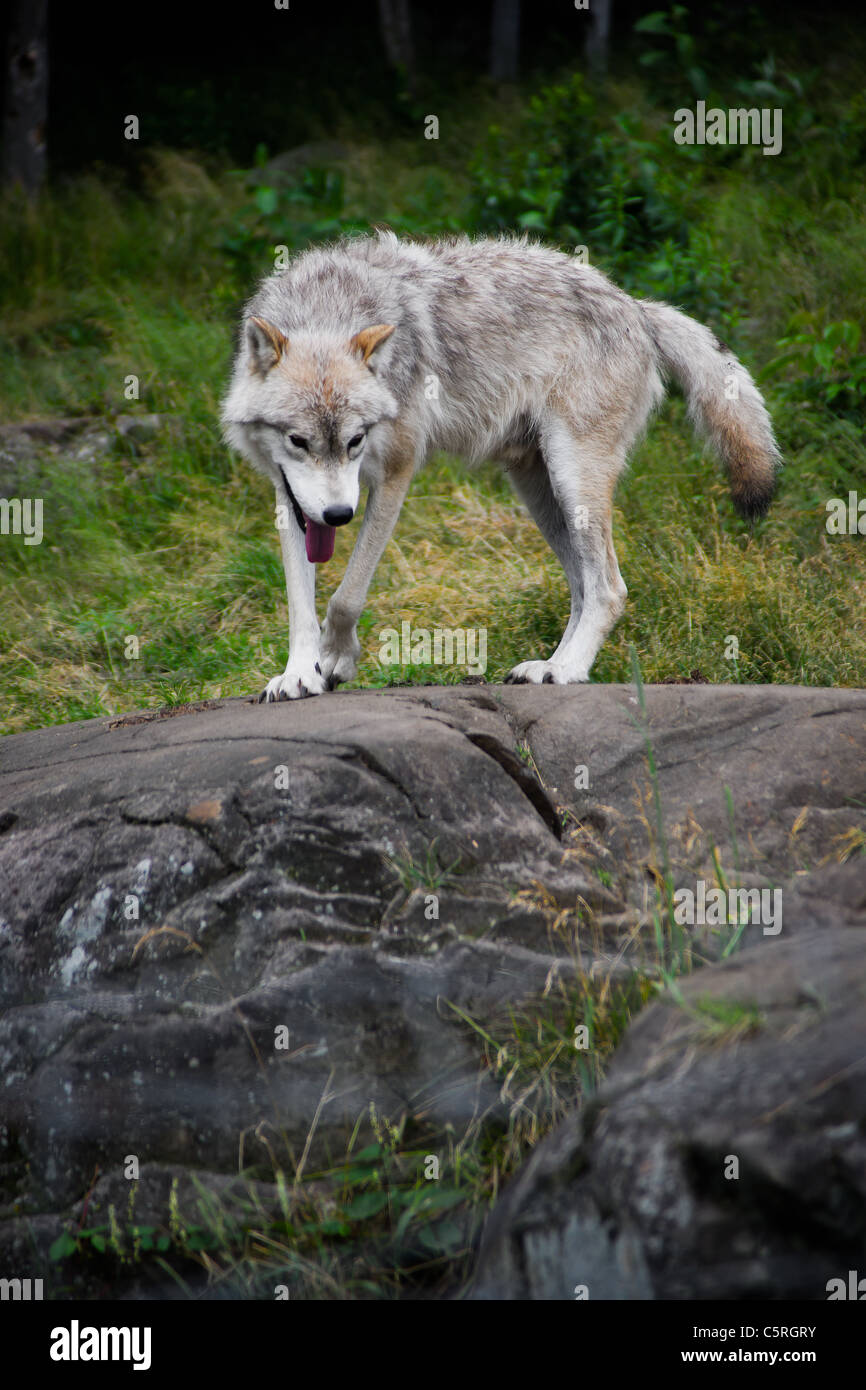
column 361, row 359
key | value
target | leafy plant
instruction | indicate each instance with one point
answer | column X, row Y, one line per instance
column 579, row 178
column 680, row 53
column 831, row 369
column 126, row 1243
column 285, row 211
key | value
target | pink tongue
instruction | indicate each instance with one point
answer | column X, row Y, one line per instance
column 319, row 541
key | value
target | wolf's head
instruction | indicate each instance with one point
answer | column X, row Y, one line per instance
column 302, row 410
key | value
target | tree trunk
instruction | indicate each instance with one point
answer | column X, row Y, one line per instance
column 504, row 40
column 26, row 107
column 396, row 24
column 598, row 37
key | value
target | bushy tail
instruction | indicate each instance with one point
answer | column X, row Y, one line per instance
column 724, row 404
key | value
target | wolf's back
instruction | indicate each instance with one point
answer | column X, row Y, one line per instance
column 724, row 404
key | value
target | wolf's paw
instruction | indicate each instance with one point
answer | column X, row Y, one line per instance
column 343, row 668
column 540, row 673
column 296, row 683
column 339, row 659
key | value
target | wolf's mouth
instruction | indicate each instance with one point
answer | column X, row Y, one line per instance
column 318, row 538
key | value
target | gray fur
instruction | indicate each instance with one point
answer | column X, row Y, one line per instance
column 501, row 349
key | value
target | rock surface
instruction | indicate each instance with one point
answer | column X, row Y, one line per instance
column 366, row 869
column 714, row 1162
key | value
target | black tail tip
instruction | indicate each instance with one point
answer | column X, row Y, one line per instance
column 752, row 495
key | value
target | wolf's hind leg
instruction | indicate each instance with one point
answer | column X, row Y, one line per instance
column 571, row 502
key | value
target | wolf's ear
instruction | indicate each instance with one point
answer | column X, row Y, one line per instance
column 266, row 344
column 366, row 342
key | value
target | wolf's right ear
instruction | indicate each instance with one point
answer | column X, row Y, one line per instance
column 266, row 344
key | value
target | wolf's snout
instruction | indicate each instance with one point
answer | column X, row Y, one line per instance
column 337, row 516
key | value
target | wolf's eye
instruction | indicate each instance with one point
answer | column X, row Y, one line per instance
column 298, row 441
column 354, row 443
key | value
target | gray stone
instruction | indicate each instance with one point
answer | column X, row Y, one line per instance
column 373, row 869
column 634, row 1196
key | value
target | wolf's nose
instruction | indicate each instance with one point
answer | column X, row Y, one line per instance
column 337, row 516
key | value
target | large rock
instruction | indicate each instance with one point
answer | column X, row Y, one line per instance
column 725, row 1156
column 365, row 872
column 793, row 759
column 256, row 844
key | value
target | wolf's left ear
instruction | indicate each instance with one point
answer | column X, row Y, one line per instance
column 266, row 344
column 368, row 340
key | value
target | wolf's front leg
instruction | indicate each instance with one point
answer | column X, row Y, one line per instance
column 341, row 649
column 340, row 645
column 303, row 674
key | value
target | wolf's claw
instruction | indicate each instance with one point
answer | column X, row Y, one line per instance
column 536, row 673
column 294, row 684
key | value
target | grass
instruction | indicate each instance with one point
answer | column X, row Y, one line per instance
column 187, row 561
column 426, row 873
column 370, row 1226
